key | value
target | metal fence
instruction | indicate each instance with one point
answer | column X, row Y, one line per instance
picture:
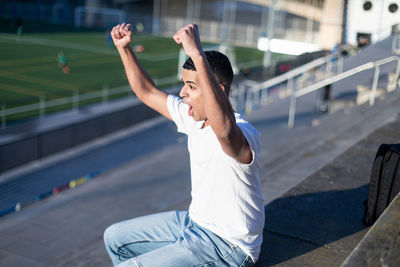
column 73, row 101
column 308, row 78
column 367, row 66
column 250, row 94
column 396, row 44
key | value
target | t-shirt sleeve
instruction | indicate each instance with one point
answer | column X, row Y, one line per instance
column 179, row 113
column 253, row 139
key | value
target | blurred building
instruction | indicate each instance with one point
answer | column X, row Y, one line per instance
column 320, row 24
column 369, row 21
column 316, row 22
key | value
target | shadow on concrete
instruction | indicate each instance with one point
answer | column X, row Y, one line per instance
column 347, row 96
column 300, row 223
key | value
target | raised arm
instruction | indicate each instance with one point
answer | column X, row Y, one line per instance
column 217, row 107
column 140, row 82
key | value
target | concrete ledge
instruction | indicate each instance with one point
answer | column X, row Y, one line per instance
column 381, row 245
column 36, row 139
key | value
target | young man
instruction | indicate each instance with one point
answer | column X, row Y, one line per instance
column 224, row 224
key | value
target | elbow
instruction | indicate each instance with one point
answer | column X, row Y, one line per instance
column 142, row 92
column 140, row 96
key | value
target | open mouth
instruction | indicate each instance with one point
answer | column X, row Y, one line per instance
column 190, row 111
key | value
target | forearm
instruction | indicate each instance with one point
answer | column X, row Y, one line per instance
column 139, row 80
column 218, row 109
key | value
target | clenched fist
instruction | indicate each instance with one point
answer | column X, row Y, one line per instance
column 189, row 38
column 122, row 35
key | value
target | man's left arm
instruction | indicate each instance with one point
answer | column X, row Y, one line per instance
column 216, row 103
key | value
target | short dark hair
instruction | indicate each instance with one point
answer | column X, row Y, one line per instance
column 220, row 66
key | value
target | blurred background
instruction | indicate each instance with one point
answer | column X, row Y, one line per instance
column 314, row 76
column 59, row 54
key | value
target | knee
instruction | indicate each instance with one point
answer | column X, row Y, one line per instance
column 110, row 236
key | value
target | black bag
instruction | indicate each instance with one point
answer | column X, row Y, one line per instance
column 385, row 182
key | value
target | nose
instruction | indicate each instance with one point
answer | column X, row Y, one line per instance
column 183, row 93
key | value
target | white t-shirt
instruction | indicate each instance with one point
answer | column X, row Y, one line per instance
column 226, row 194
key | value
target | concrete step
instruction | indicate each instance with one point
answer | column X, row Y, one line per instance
column 318, row 221
column 312, row 148
column 380, row 246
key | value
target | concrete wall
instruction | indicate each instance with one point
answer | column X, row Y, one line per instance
column 41, row 144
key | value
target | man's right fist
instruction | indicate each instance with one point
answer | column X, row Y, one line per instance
column 121, row 35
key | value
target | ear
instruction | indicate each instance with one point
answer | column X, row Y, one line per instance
column 222, row 87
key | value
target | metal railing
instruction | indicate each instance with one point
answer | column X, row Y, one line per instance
column 396, row 44
column 74, row 100
column 343, row 75
column 251, row 93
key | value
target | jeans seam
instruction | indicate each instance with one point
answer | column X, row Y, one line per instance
column 143, row 240
column 146, row 240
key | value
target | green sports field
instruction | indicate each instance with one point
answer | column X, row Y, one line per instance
column 29, row 70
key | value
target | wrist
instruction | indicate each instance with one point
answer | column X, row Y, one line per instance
column 198, row 55
column 123, row 49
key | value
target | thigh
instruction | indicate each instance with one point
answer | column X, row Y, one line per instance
column 143, row 234
column 196, row 247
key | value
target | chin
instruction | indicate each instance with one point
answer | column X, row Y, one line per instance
column 197, row 118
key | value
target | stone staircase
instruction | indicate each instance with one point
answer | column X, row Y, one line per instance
column 316, row 181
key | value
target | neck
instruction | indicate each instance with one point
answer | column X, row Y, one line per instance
column 205, row 124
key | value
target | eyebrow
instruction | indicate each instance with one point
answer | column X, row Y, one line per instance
column 190, row 82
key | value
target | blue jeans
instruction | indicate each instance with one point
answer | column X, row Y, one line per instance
column 169, row 239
